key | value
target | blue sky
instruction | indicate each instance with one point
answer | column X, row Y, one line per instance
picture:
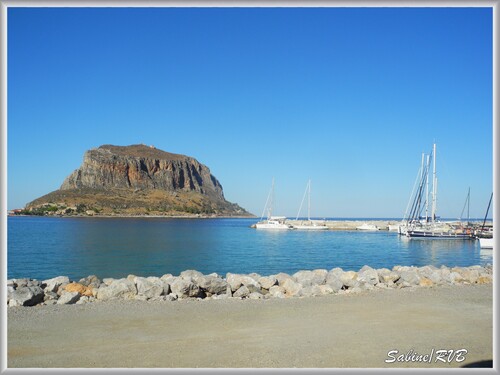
column 346, row 97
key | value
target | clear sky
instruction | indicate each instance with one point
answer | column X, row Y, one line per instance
column 346, row 97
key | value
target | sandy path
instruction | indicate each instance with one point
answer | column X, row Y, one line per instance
column 330, row 331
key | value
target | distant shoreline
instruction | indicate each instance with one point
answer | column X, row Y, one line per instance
column 138, row 216
column 336, row 219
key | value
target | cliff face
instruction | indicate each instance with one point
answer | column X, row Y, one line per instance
column 137, row 180
column 142, row 167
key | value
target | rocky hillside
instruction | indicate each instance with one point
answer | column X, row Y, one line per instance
column 137, row 180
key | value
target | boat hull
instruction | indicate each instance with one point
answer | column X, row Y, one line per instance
column 368, row 227
column 310, row 227
column 486, row 243
column 438, row 235
column 273, row 225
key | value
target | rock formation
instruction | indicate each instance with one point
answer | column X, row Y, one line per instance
column 194, row 284
column 137, row 179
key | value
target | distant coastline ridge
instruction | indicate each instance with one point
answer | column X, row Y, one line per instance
column 137, row 180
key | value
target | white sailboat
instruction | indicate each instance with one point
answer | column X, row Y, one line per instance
column 429, row 227
column 309, row 224
column 272, row 222
column 485, row 235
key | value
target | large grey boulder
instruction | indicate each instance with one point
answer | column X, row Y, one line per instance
column 455, row 277
column 333, row 279
column 52, row 285
column 167, row 280
column 291, row 287
column 368, row 275
column 150, row 287
column 334, row 273
column 445, row 274
column 242, row 292
column 91, row 280
column 235, row 281
column 387, row 276
column 435, row 277
column 267, row 282
column 409, row 276
column 185, row 288
column 277, row 291
column 470, row 275
column 426, row 271
column 335, row 284
column 26, row 296
column 349, row 279
column 213, row 284
column 308, row 278
column 48, row 296
column 191, row 275
column 68, row 298
column 20, row 283
column 121, row 288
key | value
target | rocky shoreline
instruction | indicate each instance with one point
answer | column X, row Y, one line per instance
column 192, row 284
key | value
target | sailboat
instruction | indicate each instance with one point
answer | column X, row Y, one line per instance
column 485, row 234
column 429, row 227
column 272, row 222
column 309, row 224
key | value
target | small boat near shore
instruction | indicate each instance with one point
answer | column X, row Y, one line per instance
column 368, row 227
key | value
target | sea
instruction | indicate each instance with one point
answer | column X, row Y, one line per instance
column 45, row 247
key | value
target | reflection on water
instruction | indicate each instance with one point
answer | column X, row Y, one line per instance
column 109, row 247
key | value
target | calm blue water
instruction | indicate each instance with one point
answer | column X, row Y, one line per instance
column 41, row 248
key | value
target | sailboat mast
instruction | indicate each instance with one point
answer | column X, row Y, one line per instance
column 468, row 206
column 487, row 210
column 272, row 201
column 434, row 184
column 427, row 190
column 422, row 177
column 309, row 203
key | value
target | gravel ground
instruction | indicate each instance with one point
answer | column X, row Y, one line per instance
column 330, row 331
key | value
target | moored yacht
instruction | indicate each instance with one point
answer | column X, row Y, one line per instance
column 485, row 234
column 429, row 227
column 309, row 224
column 272, row 222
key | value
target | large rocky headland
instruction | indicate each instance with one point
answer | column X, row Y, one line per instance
column 137, row 180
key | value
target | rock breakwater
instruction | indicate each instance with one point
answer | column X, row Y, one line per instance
column 193, row 284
